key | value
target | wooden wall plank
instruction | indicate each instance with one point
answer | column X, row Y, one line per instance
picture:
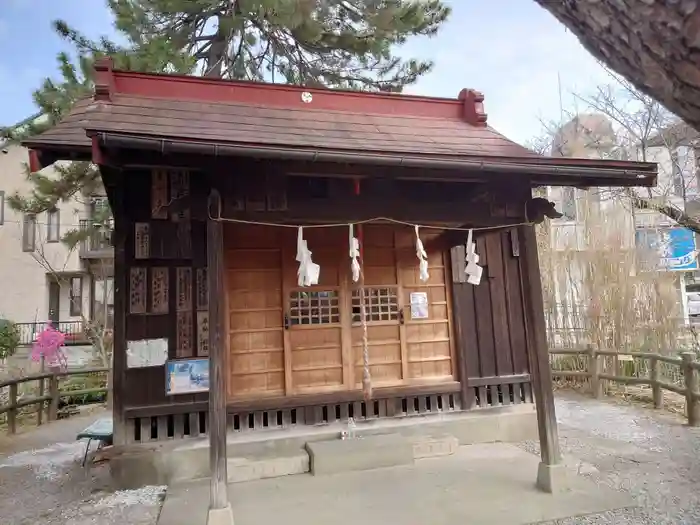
column 496, row 283
column 484, row 315
column 514, row 302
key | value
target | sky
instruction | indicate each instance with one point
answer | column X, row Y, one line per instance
column 514, row 52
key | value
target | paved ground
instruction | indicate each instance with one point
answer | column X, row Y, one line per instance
column 647, row 454
column 490, row 484
column 41, row 481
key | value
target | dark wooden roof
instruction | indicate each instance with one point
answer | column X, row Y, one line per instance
column 270, row 126
column 225, row 114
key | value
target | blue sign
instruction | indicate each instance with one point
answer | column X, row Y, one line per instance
column 186, row 376
column 674, row 247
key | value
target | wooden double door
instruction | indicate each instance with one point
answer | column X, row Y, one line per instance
column 288, row 340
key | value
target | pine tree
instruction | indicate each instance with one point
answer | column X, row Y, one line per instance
column 56, row 98
column 336, row 43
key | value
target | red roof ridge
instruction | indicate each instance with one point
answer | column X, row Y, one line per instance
column 468, row 106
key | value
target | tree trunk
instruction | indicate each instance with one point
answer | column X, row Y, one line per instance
column 655, row 44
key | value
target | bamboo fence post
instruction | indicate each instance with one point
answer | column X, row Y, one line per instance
column 691, row 384
column 657, row 392
column 12, row 412
column 594, row 371
column 42, row 391
column 53, row 392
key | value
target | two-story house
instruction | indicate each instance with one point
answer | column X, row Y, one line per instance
column 41, row 278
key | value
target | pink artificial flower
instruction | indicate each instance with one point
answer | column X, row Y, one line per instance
column 48, row 345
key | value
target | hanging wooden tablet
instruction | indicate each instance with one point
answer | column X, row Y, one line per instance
column 202, row 334
column 184, row 235
column 183, row 340
column 159, row 194
column 137, row 291
column 202, row 293
column 159, row 290
column 179, row 184
column 142, row 240
column 183, row 289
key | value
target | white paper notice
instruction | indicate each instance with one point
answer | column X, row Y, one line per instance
column 146, row 352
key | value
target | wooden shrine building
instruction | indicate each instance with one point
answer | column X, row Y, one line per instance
column 209, row 181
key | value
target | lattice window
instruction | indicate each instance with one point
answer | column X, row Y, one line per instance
column 314, row 307
column 381, row 304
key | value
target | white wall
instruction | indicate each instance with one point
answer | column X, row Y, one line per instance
column 23, row 281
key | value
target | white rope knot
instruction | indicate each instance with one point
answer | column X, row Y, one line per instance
column 354, row 255
column 473, row 270
column 308, row 272
column 422, row 258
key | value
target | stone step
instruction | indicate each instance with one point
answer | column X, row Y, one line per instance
column 375, row 451
column 272, row 465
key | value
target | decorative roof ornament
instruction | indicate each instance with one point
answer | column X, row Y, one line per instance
column 354, row 254
column 473, row 270
column 422, row 258
column 308, row 272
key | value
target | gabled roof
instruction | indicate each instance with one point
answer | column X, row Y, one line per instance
column 186, row 112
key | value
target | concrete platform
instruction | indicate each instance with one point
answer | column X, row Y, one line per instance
column 264, row 454
column 335, row 456
column 480, row 485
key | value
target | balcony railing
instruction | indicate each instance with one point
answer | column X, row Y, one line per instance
column 73, row 330
column 98, row 241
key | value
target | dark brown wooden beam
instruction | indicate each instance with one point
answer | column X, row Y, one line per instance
column 538, row 353
column 120, row 307
column 219, row 508
column 298, row 401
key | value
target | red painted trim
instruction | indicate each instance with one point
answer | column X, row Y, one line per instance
column 109, row 82
column 34, row 161
column 473, row 107
column 104, row 79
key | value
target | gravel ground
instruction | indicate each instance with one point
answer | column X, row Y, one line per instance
column 650, row 454
column 41, row 481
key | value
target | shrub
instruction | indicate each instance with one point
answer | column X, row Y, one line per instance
column 9, row 338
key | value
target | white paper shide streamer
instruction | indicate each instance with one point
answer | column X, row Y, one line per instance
column 354, row 255
column 473, row 270
column 309, row 271
column 422, row 258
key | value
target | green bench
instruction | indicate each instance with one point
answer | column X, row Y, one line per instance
column 101, row 431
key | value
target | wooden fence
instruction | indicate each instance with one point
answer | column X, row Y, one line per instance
column 46, row 399
column 687, row 364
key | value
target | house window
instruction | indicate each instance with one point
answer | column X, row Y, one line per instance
column 99, row 208
column 53, row 225
column 29, row 232
column 76, row 296
column 568, row 204
column 103, row 301
column 2, row 207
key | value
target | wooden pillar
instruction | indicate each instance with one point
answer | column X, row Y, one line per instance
column 219, row 508
column 120, row 236
column 548, row 478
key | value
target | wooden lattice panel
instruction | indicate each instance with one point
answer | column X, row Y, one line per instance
column 314, row 307
column 381, row 304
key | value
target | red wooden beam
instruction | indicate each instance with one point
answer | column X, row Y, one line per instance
column 109, row 82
